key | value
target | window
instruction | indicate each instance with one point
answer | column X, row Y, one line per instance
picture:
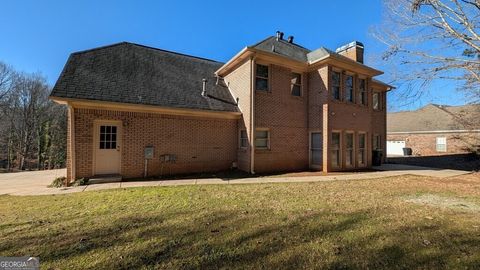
column 376, row 101
column 362, row 92
column 262, row 139
column 361, row 149
column 243, row 139
column 349, row 88
column 261, row 78
column 441, row 144
column 296, row 84
column 108, row 137
column 335, row 152
column 377, row 144
column 349, row 149
column 316, row 148
column 336, row 85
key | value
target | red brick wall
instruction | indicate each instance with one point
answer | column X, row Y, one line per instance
column 425, row 144
column 200, row 144
column 239, row 83
column 286, row 117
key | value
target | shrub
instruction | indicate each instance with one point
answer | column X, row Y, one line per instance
column 58, row 182
column 80, row 182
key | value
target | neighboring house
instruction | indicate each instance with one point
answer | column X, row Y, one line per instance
column 434, row 130
column 275, row 106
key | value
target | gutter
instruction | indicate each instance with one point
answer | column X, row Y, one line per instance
column 435, row 131
column 252, row 115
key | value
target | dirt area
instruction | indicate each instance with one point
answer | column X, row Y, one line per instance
column 453, row 203
column 467, row 162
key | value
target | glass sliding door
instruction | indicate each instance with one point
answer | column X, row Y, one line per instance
column 316, row 150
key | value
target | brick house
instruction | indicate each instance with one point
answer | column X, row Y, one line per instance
column 434, row 130
column 275, row 106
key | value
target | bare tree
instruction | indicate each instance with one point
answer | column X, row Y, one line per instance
column 432, row 39
column 33, row 128
column 6, row 77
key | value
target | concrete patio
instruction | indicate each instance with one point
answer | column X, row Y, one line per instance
column 36, row 182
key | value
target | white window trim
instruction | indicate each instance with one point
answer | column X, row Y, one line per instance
column 268, row 79
column 340, row 155
column 353, row 149
column 437, row 144
column 310, row 148
column 365, row 147
column 379, row 94
column 268, row 139
column 346, row 75
column 339, row 85
column 299, row 84
column 240, row 139
column 365, row 90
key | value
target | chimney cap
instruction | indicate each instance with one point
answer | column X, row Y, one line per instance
column 350, row 45
column 290, row 39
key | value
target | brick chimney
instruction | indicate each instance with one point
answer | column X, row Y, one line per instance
column 353, row 50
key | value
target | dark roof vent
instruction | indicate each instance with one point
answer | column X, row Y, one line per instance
column 290, row 39
column 279, row 35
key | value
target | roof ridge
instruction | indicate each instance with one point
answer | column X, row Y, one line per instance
column 146, row 47
column 281, row 40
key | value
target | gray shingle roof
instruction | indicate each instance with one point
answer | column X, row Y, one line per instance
column 131, row 73
column 435, row 117
column 282, row 47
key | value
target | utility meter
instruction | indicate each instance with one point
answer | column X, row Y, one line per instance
column 149, row 152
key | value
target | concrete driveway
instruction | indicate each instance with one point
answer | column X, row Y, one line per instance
column 35, row 183
column 28, row 182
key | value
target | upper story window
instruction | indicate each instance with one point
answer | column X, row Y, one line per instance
column 261, row 78
column 349, row 88
column 296, row 84
column 335, row 85
column 376, row 99
column 362, row 92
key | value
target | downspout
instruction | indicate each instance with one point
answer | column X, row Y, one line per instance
column 252, row 115
column 71, row 122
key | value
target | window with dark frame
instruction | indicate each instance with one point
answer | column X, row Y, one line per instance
column 108, row 137
column 243, row 139
column 335, row 85
column 361, row 149
column 335, row 152
column 296, row 84
column 349, row 158
column 261, row 78
column 349, row 93
column 262, row 138
column 362, row 91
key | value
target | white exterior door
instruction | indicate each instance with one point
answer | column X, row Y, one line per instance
column 107, row 142
column 395, row 148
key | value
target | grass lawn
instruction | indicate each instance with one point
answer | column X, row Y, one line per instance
column 393, row 223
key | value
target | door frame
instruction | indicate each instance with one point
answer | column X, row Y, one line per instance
column 310, row 165
column 96, row 141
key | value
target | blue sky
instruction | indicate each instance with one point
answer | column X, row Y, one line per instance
column 38, row 36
